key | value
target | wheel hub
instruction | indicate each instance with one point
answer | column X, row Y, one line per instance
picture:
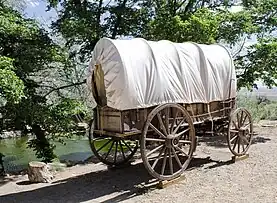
column 171, row 141
column 243, row 131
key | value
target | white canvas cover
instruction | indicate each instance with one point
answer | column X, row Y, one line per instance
column 141, row 74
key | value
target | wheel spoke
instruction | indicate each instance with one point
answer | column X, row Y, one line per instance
column 178, row 126
column 109, row 150
column 233, row 131
column 104, row 145
column 233, row 138
column 161, row 123
column 183, row 132
column 155, row 139
column 164, row 161
column 243, row 148
column 244, row 119
column 122, row 151
column 180, row 150
column 167, row 120
column 235, row 144
column 247, row 125
column 235, row 124
column 238, row 120
column 170, row 161
column 241, row 119
column 177, row 158
column 244, row 139
column 157, row 131
column 115, row 153
column 238, row 144
column 185, row 141
column 160, row 154
column 154, row 150
column 127, row 146
column 174, row 120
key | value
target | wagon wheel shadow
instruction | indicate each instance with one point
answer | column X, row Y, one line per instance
column 220, row 141
column 95, row 185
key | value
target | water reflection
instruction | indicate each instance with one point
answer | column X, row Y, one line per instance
column 17, row 155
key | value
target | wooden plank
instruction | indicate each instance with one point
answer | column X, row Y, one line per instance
column 161, row 184
column 239, row 158
column 165, row 183
column 115, row 134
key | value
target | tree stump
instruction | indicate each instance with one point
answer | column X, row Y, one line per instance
column 38, row 172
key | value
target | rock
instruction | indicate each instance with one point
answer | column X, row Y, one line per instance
column 38, row 172
column 268, row 126
column 10, row 134
column 56, row 166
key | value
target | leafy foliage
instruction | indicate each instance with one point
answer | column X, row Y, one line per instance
column 11, row 87
column 43, row 149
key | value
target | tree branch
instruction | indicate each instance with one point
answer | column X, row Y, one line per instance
column 99, row 12
column 118, row 20
column 64, row 87
column 189, row 6
column 177, row 7
column 241, row 47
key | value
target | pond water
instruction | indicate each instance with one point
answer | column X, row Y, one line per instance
column 18, row 155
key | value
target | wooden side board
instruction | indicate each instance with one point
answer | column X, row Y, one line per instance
column 133, row 120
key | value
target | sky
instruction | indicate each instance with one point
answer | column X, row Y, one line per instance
column 37, row 9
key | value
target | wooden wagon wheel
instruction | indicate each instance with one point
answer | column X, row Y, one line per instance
column 112, row 151
column 168, row 141
column 240, row 131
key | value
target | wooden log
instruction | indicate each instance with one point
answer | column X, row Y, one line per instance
column 38, row 172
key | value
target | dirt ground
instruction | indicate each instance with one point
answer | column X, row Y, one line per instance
column 210, row 178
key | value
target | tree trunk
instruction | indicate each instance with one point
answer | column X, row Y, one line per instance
column 2, row 169
column 38, row 172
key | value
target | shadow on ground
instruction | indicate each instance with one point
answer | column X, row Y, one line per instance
column 91, row 186
column 221, row 141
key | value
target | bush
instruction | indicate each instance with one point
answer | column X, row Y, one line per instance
column 260, row 108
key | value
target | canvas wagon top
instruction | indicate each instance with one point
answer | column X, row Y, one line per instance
column 136, row 73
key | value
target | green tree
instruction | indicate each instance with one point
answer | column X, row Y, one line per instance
column 34, row 67
column 216, row 22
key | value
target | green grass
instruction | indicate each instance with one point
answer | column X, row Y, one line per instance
column 266, row 110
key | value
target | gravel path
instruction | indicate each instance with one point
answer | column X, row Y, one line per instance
column 211, row 178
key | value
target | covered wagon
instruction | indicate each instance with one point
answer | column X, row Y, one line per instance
column 157, row 95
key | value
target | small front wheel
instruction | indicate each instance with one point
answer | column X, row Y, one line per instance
column 240, row 131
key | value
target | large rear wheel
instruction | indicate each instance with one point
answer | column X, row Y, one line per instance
column 167, row 141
